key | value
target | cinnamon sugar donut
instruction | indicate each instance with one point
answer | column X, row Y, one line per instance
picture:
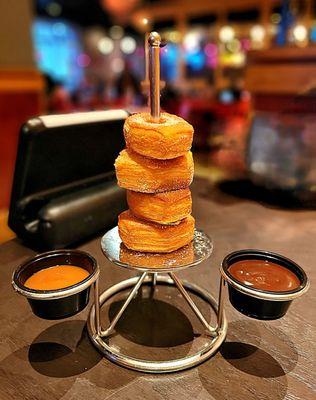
column 146, row 236
column 147, row 175
column 182, row 256
column 163, row 208
column 169, row 138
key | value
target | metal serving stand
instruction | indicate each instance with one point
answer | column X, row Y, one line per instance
column 160, row 270
column 156, row 269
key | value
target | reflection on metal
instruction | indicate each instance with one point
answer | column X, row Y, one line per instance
column 188, row 256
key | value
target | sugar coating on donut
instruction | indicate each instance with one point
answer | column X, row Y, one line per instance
column 146, row 236
column 167, row 139
column 164, row 208
column 177, row 258
column 142, row 174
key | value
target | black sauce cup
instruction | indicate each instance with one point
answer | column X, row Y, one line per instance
column 59, row 303
column 257, row 303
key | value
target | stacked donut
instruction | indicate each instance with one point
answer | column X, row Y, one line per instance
column 157, row 169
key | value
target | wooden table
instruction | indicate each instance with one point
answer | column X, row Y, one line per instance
column 259, row 360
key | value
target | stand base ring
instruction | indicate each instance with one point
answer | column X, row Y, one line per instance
column 116, row 356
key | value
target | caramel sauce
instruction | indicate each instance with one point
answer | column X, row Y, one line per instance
column 264, row 275
column 57, row 277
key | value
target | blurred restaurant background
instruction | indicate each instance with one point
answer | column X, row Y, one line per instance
column 243, row 72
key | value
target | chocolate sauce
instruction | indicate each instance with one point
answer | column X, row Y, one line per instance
column 264, row 275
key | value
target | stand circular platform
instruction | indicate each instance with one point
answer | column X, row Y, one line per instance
column 188, row 256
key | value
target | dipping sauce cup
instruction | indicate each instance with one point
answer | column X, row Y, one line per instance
column 57, row 303
column 258, row 303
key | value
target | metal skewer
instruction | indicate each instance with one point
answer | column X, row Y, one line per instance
column 146, row 48
column 154, row 41
column 145, row 82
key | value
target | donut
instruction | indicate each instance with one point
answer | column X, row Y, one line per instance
column 163, row 208
column 182, row 256
column 142, row 174
column 146, row 236
column 169, row 138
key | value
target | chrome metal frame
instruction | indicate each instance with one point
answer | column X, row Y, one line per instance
column 101, row 338
column 214, row 335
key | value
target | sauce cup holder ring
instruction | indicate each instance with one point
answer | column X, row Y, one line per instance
column 258, row 303
column 59, row 303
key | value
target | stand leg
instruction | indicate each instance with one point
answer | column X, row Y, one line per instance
column 221, row 301
column 97, row 307
column 154, row 278
column 110, row 329
column 153, row 284
column 207, row 326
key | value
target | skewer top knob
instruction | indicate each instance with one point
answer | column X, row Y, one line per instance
column 154, row 39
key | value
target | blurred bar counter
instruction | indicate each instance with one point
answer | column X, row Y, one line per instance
column 282, row 79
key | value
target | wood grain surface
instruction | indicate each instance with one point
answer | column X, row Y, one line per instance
column 44, row 360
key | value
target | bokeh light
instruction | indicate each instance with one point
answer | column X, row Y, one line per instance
column 169, row 61
column 234, row 46
column 313, row 34
column 173, row 36
column 245, row 44
column 117, row 65
column 83, row 60
column 210, row 49
column 211, row 53
column 105, row 45
column 59, row 29
column 191, row 41
column 196, row 60
column 226, row 34
column 275, row 18
column 116, row 32
column 300, row 33
column 257, row 33
column 54, row 9
column 128, row 45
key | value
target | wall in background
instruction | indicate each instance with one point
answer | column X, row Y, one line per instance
column 16, row 43
column 21, row 85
